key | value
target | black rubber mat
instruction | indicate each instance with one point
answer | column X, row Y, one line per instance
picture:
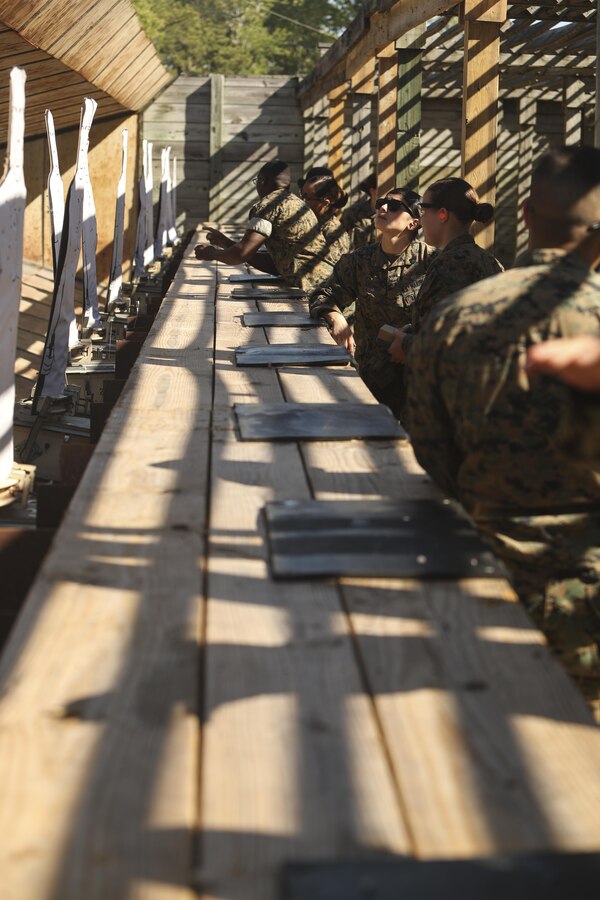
column 315, row 421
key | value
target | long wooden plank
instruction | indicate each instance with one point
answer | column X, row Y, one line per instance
column 292, row 762
column 99, row 712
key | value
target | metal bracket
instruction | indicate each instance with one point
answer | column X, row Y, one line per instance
column 316, row 421
column 531, row 876
column 281, row 320
column 18, row 485
column 385, row 538
column 292, row 355
column 256, row 279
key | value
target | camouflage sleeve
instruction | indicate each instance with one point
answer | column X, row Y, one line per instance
column 338, row 293
column 426, row 417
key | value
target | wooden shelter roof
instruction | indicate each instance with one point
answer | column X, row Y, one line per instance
column 533, row 51
column 76, row 48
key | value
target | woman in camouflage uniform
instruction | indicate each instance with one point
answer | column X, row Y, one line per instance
column 381, row 280
column 448, row 210
column 324, row 196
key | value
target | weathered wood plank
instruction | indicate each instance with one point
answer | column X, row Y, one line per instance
column 101, row 793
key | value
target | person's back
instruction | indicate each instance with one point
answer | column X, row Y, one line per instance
column 493, row 437
column 293, row 238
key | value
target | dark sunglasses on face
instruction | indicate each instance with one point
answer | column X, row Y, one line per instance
column 393, row 205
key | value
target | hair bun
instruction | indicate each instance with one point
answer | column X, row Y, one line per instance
column 341, row 201
column 484, row 212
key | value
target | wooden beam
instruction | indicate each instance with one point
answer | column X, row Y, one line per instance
column 335, row 131
column 387, row 104
column 574, row 97
column 481, row 83
column 527, row 118
column 597, row 125
column 484, row 11
column 217, row 90
column 410, row 82
column 362, row 156
column 381, row 23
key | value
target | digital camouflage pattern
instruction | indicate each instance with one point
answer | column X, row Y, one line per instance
column 338, row 241
column 357, row 219
column 296, row 243
column 495, row 438
column 383, row 289
column 461, row 263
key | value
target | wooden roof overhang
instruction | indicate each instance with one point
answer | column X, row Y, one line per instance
column 76, row 48
column 534, row 55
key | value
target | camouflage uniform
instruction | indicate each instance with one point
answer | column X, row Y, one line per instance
column 294, row 240
column 357, row 219
column 384, row 288
column 461, row 263
column 336, row 237
column 494, row 439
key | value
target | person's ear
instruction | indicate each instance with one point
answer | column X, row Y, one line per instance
column 443, row 214
column 414, row 224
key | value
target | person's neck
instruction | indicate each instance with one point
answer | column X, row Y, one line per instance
column 395, row 243
column 453, row 231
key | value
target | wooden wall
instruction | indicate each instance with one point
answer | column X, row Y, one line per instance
column 222, row 130
column 440, row 151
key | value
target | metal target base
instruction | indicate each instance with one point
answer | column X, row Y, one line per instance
column 316, row 422
column 281, row 320
column 293, row 355
column 385, row 538
column 539, row 876
column 257, row 279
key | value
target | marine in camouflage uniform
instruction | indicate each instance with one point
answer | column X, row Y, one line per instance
column 462, row 262
column 383, row 289
column 494, row 438
column 338, row 242
column 293, row 238
column 357, row 219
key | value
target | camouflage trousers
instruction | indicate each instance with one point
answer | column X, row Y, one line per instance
column 554, row 565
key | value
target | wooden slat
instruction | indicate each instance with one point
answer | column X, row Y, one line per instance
column 387, row 111
column 84, row 38
column 100, row 752
column 335, row 132
column 480, row 112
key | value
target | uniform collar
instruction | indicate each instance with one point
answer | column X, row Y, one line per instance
column 458, row 241
column 545, row 256
column 386, row 259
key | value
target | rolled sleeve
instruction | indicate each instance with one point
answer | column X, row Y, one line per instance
column 261, row 226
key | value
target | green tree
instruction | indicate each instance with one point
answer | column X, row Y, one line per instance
column 243, row 37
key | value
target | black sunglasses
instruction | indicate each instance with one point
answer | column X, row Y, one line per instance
column 595, row 226
column 393, row 205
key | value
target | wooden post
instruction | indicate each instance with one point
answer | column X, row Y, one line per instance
column 335, row 131
column 527, row 117
column 387, row 102
column 363, row 89
column 410, row 81
column 217, row 90
column 573, row 100
column 481, row 79
column 597, row 125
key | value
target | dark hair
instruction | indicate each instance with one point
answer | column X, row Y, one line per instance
column 327, row 188
column 411, row 198
column 312, row 173
column 368, row 183
column 459, row 197
column 274, row 171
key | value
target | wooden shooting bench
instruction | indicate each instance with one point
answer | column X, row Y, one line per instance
column 176, row 724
